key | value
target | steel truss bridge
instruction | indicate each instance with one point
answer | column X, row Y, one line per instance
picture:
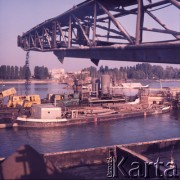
column 93, row 29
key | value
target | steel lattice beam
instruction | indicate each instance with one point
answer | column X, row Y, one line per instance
column 93, row 30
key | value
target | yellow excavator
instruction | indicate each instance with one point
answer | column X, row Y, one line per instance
column 6, row 93
column 16, row 101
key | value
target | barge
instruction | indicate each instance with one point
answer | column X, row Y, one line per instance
column 48, row 115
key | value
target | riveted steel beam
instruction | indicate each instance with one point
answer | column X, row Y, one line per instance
column 139, row 22
column 152, row 52
column 116, row 23
column 93, row 29
column 176, row 3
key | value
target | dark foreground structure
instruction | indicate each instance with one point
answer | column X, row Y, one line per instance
column 155, row 159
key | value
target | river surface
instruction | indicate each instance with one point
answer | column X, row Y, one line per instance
column 45, row 140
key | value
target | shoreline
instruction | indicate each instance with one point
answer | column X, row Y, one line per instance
column 4, row 82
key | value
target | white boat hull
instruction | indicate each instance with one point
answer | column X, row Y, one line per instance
column 166, row 109
column 40, row 120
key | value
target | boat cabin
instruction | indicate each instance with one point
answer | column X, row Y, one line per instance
column 45, row 111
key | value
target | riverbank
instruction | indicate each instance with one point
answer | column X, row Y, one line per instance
column 34, row 81
column 4, row 82
column 152, row 80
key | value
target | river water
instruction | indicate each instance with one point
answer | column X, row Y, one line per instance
column 44, row 140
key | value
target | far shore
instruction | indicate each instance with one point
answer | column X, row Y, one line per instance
column 33, row 81
column 2, row 82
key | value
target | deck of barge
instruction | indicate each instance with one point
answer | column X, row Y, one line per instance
column 85, row 115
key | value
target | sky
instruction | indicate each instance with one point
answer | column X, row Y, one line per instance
column 18, row 16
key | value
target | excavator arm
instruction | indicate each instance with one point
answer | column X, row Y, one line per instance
column 7, row 93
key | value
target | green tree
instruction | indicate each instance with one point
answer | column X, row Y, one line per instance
column 4, row 71
column 1, row 75
column 158, row 72
column 41, row 69
column 16, row 73
column 12, row 74
column 8, row 72
column 36, row 72
column 46, row 73
column 169, row 72
column 21, row 73
column 41, row 72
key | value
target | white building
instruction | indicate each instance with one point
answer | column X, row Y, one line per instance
column 57, row 73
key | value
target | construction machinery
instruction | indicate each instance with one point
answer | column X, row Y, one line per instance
column 63, row 99
column 6, row 93
column 18, row 101
column 23, row 101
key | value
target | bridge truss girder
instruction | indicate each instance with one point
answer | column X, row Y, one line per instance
column 75, row 33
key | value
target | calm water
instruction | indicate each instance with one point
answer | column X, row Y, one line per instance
column 89, row 135
column 41, row 89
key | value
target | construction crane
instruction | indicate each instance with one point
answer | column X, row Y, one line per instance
column 27, row 76
column 94, row 29
column 15, row 101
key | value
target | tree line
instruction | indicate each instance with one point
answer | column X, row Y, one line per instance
column 15, row 72
column 139, row 71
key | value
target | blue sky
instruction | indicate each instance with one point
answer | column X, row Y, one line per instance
column 18, row 16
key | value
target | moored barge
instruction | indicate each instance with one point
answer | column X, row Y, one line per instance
column 47, row 115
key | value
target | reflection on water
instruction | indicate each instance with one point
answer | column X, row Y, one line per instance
column 87, row 135
column 175, row 114
column 91, row 135
column 41, row 89
column 44, row 88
